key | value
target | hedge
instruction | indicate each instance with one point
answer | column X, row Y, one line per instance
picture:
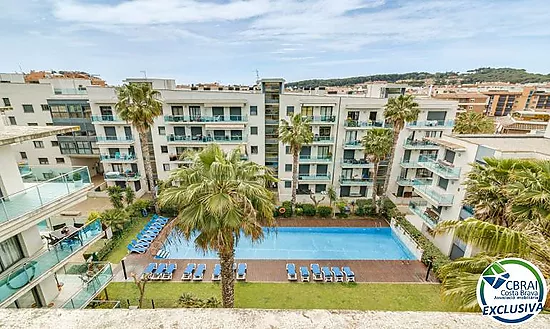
column 324, row 211
column 309, row 209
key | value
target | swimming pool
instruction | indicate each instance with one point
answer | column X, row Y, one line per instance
column 307, row 243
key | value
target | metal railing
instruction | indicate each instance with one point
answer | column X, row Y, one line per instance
column 323, row 118
column 120, row 157
column 363, row 124
column 431, row 123
column 129, row 176
column 414, row 181
column 69, row 91
column 419, row 208
column 208, row 119
column 355, row 163
column 115, row 139
column 205, row 139
column 356, row 181
column 420, row 144
column 320, row 177
column 323, row 139
column 91, row 288
column 310, row 158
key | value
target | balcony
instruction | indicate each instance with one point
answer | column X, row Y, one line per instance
column 320, row 119
column 356, row 163
column 355, row 124
column 44, row 186
column 416, row 164
column 429, row 193
column 419, row 145
column 414, row 181
column 356, row 144
column 69, row 91
column 106, row 119
column 205, row 139
column 115, row 139
column 466, row 212
column 314, row 177
column 312, row 158
column 205, row 119
column 122, row 158
column 323, row 140
column 431, row 124
column 85, row 282
column 128, row 176
column 430, row 217
column 15, row 282
column 439, row 167
column 356, row 181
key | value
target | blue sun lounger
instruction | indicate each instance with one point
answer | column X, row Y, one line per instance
column 241, row 271
column 217, row 272
column 304, row 274
column 148, row 271
column 148, row 238
column 338, row 275
column 159, row 272
column 136, row 249
column 188, row 271
column 169, row 272
column 199, row 272
column 327, row 274
column 316, row 271
column 291, row 272
column 350, row 276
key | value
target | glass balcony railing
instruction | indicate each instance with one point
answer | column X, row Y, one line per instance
column 414, row 181
column 324, row 118
column 354, row 143
column 313, row 158
column 323, row 139
column 430, row 217
column 356, row 181
column 315, row 177
column 359, row 163
column 440, row 168
column 95, row 282
column 431, row 124
column 12, row 281
column 419, row 144
column 69, row 91
column 200, row 118
column 441, row 199
column 44, row 185
column 106, row 118
column 206, row 139
column 466, row 212
column 127, row 176
column 413, row 164
column 118, row 157
column 115, row 139
column 363, row 124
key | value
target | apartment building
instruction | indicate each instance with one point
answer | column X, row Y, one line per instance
column 441, row 198
column 36, row 268
column 476, row 102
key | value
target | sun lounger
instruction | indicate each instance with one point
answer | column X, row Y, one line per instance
column 327, row 274
column 159, row 272
column 148, row 271
column 350, row 276
column 199, row 272
column 148, row 238
column 140, row 243
column 337, row 274
column 162, row 254
column 304, row 274
column 241, row 271
column 169, row 271
column 188, row 272
column 217, row 272
column 316, row 271
column 137, row 250
column 291, row 272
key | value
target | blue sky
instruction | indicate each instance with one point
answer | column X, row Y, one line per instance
column 227, row 40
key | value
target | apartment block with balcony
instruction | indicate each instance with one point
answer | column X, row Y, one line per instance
column 467, row 102
column 35, row 260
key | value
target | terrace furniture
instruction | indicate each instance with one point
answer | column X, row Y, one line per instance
column 327, row 274
column 188, row 272
column 216, row 273
column 148, row 238
column 159, row 272
column 304, row 274
column 337, row 274
column 148, row 271
column 169, row 271
column 63, row 232
column 241, row 271
column 137, row 250
column 140, row 243
column 162, row 254
column 199, row 272
column 291, row 272
column 316, row 271
column 350, row 276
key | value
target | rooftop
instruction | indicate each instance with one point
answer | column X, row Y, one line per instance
column 17, row 134
column 511, row 143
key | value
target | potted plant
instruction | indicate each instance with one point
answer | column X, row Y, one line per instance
column 77, row 179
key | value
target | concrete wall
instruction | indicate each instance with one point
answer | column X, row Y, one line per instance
column 10, row 180
column 31, row 242
column 48, row 290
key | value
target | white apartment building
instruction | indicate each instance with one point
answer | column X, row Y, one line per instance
column 36, row 268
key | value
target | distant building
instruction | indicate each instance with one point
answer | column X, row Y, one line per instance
column 476, row 102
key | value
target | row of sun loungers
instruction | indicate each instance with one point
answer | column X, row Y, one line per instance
column 160, row 271
column 192, row 272
column 147, row 235
column 326, row 274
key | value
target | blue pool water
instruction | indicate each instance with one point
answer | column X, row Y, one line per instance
column 306, row 243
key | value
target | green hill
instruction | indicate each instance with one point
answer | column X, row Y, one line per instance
column 483, row 74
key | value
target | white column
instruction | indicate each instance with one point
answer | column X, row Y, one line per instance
column 10, row 180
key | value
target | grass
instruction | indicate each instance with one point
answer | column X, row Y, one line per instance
column 362, row 296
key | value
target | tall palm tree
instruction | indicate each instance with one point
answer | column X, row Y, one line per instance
column 473, row 123
column 139, row 105
column 377, row 145
column 397, row 112
column 296, row 134
column 220, row 199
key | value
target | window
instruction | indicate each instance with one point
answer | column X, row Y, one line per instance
column 12, row 121
column 43, row 161
column 164, row 149
column 27, row 108
column 288, row 167
column 59, row 160
column 253, row 130
column 443, row 183
column 166, row 166
column 450, row 156
column 288, row 184
column 320, row 188
column 137, row 185
column 162, row 131
column 287, row 149
column 32, row 124
column 254, row 149
column 253, row 110
column 45, row 107
column 55, row 143
column 6, row 101
column 23, row 155
column 470, row 107
column 49, row 123
column 290, row 110
column 38, row 144
column 10, row 252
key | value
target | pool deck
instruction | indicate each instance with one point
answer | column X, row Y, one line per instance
column 274, row 270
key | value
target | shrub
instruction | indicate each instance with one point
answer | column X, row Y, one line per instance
column 189, row 300
column 361, row 203
column 129, row 195
column 360, row 211
column 309, row 209
column 134, row 210
column 299, row 211
column 115, row 196
column 342, row 215
column 324, row 211
column 288, row 206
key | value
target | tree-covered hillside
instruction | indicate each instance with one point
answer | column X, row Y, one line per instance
column 484, row 74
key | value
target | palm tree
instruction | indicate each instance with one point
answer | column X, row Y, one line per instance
column 398, row 111
column 139, row 105
column 378, row 144
column 220, row 199
column 332, row 196
column 295, row 133
column 473, row 123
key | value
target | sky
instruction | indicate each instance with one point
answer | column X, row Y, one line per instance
column 226, row 41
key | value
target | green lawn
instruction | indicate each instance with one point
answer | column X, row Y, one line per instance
column 362, row 296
